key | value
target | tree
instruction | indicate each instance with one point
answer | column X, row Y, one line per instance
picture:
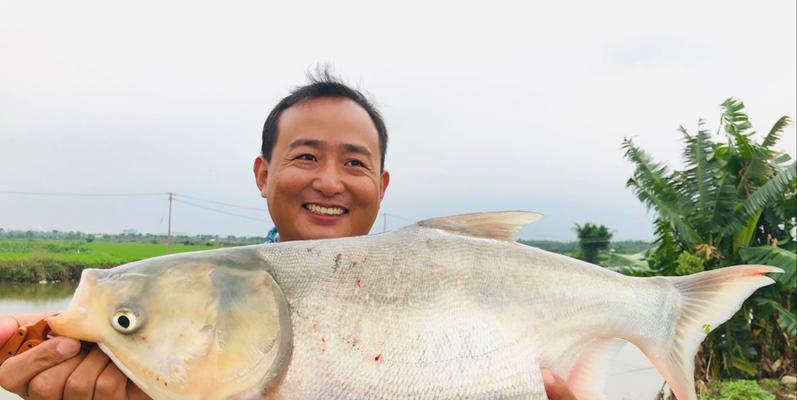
column 734, row 203
column 592, row 239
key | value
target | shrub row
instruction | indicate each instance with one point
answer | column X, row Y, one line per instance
column 37, row 269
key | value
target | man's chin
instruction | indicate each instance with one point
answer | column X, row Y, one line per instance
column 326, row 234
column 314, row 232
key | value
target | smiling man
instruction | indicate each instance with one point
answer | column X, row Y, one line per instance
column 321, row 167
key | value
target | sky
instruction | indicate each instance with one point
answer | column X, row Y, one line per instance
column 506, row 106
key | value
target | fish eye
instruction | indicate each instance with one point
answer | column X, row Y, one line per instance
column 125, row 321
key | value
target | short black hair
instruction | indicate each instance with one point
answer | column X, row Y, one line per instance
column 322, row 84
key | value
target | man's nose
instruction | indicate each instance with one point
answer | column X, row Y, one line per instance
column 328, row 181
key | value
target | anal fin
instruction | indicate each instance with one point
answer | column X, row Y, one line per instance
column 587, row 378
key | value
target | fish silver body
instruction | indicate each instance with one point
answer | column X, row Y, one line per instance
column 422, row 313
column 445, row 309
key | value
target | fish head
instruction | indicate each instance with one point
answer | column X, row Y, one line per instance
column 185, row 325
column 81, row 320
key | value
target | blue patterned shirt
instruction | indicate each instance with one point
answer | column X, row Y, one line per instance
column 273, row 236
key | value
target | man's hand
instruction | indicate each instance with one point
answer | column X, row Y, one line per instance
column 58, row 369
column 556, row 387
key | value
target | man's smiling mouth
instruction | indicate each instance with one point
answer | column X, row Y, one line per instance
column 321, row 210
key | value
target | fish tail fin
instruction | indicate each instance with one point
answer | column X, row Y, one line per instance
column 707, row 300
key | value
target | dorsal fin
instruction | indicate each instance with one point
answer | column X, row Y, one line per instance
column 502, row 225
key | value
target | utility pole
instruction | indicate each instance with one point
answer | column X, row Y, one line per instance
column 169, row 228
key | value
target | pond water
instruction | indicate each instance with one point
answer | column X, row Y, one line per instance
column 631, row 376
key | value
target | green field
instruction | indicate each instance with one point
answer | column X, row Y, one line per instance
column 23, row 260
column 52, row 260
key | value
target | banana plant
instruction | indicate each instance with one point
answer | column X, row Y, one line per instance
column 734, row 202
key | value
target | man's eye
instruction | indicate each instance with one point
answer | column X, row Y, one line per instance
column 306, row 157
column 355, row 163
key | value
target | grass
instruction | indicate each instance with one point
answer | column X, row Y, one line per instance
column 746, row 390
column 23, row 260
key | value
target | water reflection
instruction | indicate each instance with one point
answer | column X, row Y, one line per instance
column 36, row 292
column 18, row 298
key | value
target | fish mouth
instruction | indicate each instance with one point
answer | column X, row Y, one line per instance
column 325, row 210
column 76, row 322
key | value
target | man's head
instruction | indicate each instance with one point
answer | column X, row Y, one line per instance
column 321, row 167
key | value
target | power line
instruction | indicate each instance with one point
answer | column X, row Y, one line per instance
column 129, row 195
column 399, row 217
column 84, row 194
column 219, row 211
column 218, row 202
column 384, row 220
column 174, row 197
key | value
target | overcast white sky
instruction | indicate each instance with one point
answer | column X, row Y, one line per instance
column 506, row 106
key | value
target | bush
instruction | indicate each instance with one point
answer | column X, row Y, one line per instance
column 737, row 390
column 689, row 264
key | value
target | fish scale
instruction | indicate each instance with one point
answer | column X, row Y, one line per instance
column 449, row 308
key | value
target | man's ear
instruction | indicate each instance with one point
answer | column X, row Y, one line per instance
column 261, row 175
column 385, row 181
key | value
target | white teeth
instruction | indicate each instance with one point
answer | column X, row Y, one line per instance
column 325, row 210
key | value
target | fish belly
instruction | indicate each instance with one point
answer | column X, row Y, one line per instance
column 443, row 354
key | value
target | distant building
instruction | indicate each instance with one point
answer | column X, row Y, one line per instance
column 129, row 232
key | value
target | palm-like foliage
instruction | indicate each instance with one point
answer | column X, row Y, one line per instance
column 732, row 194
column 592, row 239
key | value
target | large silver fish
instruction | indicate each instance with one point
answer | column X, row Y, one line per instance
column 449, row 308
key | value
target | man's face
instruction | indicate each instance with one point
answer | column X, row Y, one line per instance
column 324, row 179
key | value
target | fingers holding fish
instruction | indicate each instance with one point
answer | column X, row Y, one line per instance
column 111, row 384
column 135, row 393
column 20, row 371
column 50, row 383
column 81, row 382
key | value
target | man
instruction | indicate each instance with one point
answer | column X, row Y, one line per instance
column 323, row 175
column 321, row 171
